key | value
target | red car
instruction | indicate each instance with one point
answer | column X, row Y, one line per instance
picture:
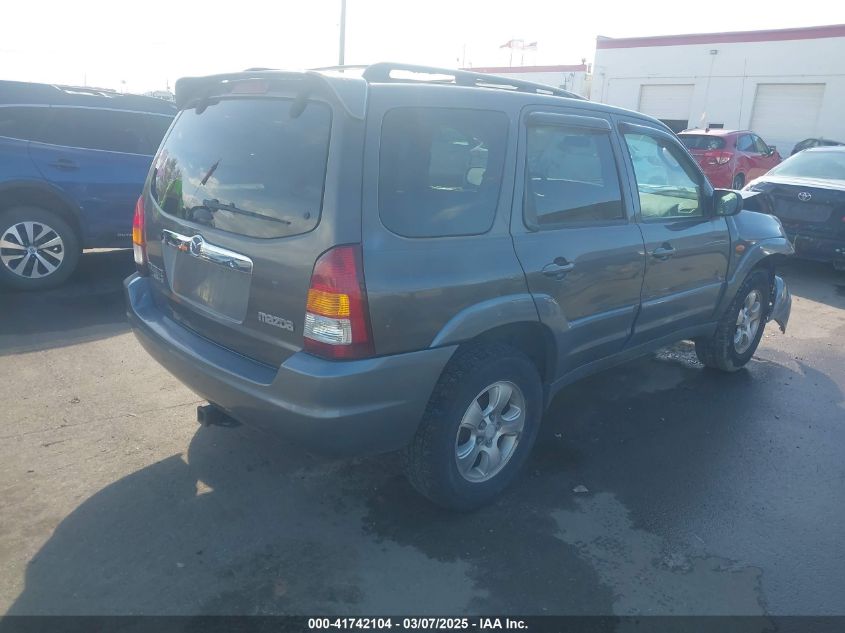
column 730, row 158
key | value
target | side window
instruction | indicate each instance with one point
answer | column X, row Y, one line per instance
column 91, row 128
column 22, row 122
column 745, row 143
column 668, row 185
column 570, row 177
column 440, row 170
column 156, row 127
column 760, row 146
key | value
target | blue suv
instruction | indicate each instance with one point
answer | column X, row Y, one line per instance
column 72, row 164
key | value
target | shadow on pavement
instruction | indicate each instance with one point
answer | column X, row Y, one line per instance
column 671, row 455
column 814, row 280
column 88, row 307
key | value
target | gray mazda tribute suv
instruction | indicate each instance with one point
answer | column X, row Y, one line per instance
column 418, row 259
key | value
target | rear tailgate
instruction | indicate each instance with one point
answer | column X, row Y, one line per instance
column 240, row 202
column 708, row 151
column 710, row 158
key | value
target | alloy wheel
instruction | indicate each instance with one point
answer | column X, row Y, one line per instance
column 748, row 321
column 31, row 249
column 490, row 431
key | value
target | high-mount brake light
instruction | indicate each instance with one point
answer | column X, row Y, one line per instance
column 337, row 321
column 249, row 87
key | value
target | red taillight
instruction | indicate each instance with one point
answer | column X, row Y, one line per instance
column 337, row 320
column 722, row 158
column 139, row 242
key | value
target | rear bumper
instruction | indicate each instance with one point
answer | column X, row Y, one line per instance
column 819, row 248
column 341, row 408
column 781, row 304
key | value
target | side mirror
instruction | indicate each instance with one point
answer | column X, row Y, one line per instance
column 772, row 150
column 727, row 202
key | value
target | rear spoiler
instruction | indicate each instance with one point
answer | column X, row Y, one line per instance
column 349, row 92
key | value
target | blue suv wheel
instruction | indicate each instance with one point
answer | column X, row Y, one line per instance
column 38, row 249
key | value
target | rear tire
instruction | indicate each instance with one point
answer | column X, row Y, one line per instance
column 737, row 334
column 466, row 451
column 738, row 182
column 38, row 249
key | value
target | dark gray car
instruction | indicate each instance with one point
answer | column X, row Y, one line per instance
column 418, row 259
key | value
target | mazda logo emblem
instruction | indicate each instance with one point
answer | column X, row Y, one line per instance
column 196, row 244
column 804, row 196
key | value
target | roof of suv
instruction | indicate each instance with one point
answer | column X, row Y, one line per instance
column 24, row 93
column 350, row 84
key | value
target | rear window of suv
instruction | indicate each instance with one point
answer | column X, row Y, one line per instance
column 702, row 141
column 255, row 167
column 440, row 170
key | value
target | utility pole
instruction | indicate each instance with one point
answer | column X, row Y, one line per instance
column 342, row 53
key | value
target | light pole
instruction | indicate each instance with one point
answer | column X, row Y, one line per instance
column 342, row 52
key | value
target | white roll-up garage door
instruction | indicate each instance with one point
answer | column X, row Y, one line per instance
column 667, row 102
column 784, row 114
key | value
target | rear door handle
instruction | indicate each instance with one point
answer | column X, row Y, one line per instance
column 663, row 252
column 65, row 164
column 558, row 268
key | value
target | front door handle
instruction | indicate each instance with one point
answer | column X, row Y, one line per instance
column 64, row 164
column 663, row 252
column 558, row 268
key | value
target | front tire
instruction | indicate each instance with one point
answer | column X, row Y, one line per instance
column 478, row 429
column 738, row 182
column 741, row 327
column 38, row 249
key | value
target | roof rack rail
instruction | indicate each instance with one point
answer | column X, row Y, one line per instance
column 341, row 67
column 381, row 73
column 102, row 92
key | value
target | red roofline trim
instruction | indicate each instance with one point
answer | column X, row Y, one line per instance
column 776, row 35
column 530, row 69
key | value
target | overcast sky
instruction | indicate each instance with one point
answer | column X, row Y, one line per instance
column 149, row 43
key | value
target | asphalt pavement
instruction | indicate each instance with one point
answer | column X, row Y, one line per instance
column 705, row 493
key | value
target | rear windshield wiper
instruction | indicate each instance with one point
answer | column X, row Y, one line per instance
column 216, row 205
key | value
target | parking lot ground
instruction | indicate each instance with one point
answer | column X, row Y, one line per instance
column 706, row 493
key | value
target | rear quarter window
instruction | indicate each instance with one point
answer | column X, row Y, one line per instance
column 254, row 167
column 99, row 129
column 156, row 127
column 22, row 122
column 440, row 170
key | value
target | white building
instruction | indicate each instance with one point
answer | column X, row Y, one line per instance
column 574, row 77
column 786, row 85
